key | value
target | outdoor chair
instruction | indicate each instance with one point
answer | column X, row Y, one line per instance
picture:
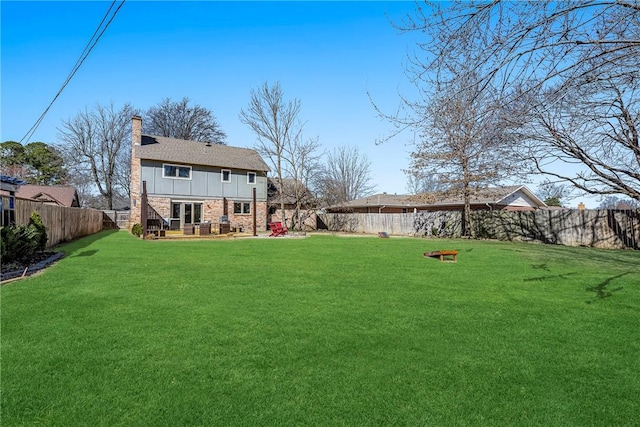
column 277, row 229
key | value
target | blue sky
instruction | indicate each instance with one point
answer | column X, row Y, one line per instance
column 327, row 54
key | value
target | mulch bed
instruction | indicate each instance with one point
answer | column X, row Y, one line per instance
column 37, row 263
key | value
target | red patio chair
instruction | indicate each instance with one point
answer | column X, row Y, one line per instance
column 277, row 229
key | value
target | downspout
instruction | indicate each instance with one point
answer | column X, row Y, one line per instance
column 489, row 206
column 380, row 209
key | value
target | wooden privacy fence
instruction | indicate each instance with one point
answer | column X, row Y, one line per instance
column 444, row 223
column 597, row 228
column 63, row 224
column 115, row 219
column 396, row 224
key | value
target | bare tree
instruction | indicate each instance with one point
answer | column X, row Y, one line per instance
column 464, row 142
column 347, row 176
column 96, row 143
column 459, row 123
column 275, row 123
column 551, row 63
column 614, row 202
column 303, row 166
column 594, row 125
column 532, row 42
column 419, row 182
column 553, row 193
column 179, row 119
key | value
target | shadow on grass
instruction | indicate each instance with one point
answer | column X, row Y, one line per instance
column 564, row 276
column 542, row 266
column 86, row 253
column 601, row 291
column 74, row 248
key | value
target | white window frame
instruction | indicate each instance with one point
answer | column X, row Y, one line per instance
column 178, row 167
column 255, row 178
column 222, row 175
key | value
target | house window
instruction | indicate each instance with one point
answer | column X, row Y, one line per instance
column 242, row 208
column 175, row 171
column 226, row 175
column 251, row 177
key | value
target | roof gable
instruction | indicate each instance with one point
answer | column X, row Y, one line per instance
column 198, row 153
column 521, row 196
column 44, row 197
column 61, row 195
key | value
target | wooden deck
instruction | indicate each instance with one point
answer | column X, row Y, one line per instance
column 179, row 235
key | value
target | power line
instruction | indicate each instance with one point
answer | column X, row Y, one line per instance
column 85, row 53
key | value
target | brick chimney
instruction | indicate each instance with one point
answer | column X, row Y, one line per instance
column 136, row 188
column 136, row 130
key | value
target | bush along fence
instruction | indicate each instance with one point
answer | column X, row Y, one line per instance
column 596, row 228
column 62, row 224
column 21, row 242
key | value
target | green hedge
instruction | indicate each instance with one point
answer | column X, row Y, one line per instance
column 21, row 242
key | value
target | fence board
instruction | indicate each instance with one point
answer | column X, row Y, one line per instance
column 115, row 219
column 63, row 224
column 597, row 228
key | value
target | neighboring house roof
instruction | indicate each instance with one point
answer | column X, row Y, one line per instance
column 59, row 195
column 383, row 199
column 501, row 196
column 198, row 153
column 494, row 197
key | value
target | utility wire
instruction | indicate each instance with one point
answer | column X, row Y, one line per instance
column 85, row 53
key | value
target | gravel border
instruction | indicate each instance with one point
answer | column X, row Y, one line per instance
column 32, row 268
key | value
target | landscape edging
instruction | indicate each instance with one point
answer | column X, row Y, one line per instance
column 32, row 268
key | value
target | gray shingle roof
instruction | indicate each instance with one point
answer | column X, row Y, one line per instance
column 198, row 153
column 488, row 195
column 63, row 195
column 381, row 200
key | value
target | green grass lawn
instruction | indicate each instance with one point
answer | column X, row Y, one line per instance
column 323, row 331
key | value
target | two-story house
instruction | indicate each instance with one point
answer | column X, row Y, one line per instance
column 191, row 182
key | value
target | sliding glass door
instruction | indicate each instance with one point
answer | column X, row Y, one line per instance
column 186, row 212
